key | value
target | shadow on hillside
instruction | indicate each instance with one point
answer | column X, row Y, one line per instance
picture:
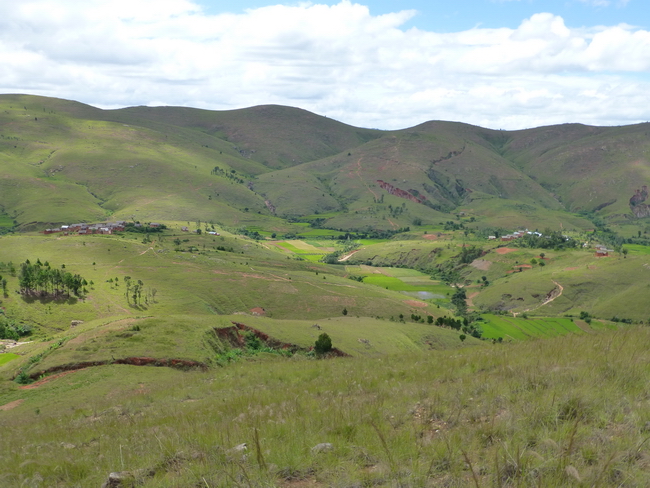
column 49, row 299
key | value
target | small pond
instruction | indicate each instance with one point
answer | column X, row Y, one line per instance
column 423, row 295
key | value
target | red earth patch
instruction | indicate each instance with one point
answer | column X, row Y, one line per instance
column 10, row 405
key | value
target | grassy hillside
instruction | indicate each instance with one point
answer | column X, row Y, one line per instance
column 186, row 341
column 249, row 167
column 275, row 136
column 473, row 417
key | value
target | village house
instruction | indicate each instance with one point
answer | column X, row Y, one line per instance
column 85, row 229
column 602, row 251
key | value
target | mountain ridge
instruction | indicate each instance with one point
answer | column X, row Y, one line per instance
column 264, row 164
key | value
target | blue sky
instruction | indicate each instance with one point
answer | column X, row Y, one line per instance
column 389, row 64
column 459, row 15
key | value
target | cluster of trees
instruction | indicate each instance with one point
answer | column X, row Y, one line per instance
column 135, row 291
column 449, row 271
column 418, row 318
column 458, row 299
column 469, row 254
column 8, row 268
column 397, row 210
column 143, row 229
column 464, row 325
column 253, row 234
column 41, row 279
column 549, row 240
column 451, row 225
column 231, row 175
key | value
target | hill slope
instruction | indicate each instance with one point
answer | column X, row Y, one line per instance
column 64, row 161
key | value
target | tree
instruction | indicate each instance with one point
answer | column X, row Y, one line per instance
column 323, row 344
column 458, row 299
column 345, row 311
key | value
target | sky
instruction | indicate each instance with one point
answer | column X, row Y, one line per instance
column 387, row 64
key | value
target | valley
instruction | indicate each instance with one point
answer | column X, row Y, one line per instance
column 167, row 274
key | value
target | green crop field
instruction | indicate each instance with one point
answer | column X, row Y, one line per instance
column 6, row 357
column 520, row 328
column 319, row 233
column 6, row 221
column 638, row 249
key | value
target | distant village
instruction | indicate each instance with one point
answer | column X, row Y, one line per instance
column 600, row 252
column 517, row 235
column 109, row 228
column 99, row 228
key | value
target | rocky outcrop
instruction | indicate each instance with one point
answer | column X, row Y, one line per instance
column 640, row 209
column 408, row 195
column 639, row 196
column 270, row 206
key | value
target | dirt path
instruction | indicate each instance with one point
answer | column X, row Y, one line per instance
column 470, row 297
column 348, row 256
column 38, row 383
column 10, row 405
column 553, row 294
column 359, row 168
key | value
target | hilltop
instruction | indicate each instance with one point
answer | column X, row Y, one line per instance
column 262, row 165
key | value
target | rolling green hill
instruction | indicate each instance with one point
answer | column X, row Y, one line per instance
column 258, row 166
column 185, row 340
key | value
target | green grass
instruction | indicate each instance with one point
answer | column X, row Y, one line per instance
column 518, row 328
column 384, row 337
column 6, row 221
column 636, row 249
column 485, row 415
column 6, row 357
column 393, row 283
column 319, row 233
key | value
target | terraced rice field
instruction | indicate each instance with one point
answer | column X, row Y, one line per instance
column 408, row 281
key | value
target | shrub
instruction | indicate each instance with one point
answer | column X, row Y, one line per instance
column 323, row 344
column 253, row 342
column 23, row 378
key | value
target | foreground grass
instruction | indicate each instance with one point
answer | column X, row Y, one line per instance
column 559, row 412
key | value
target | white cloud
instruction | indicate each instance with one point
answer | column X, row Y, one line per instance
column 338, row 60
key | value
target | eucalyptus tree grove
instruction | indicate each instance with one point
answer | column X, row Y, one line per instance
column 41, row 279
